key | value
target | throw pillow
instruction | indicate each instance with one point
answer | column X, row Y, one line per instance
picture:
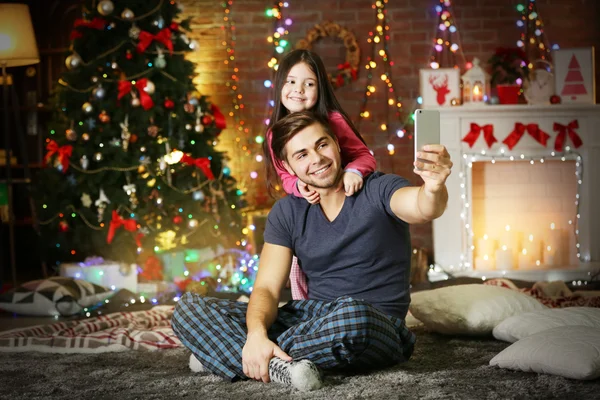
column 524, row 325
column 569, row 351
column 469, row 309
column 53, row 296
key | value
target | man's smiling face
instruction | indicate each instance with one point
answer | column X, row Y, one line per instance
column 300, row 91
column 314, row 157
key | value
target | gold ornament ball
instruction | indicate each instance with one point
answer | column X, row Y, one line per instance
column 85, row 136
column 192, row 223
column 127, row 14
column 98, row 156
column 87, row 107
column 71, row 135
column 134, row 32
column 105, row 7
column 199, row 128
column 188, row 127
column 153, row 130
column 455, row 102
column 73, row 61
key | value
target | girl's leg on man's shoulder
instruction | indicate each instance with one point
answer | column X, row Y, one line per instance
column 344, row 333
column 214, row 330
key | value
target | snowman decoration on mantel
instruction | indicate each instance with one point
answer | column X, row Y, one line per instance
column 539, row 87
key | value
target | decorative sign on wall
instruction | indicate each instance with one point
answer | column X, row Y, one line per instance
column 574, row 74
column 439, row 86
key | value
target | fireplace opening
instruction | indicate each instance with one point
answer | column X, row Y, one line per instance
column 524, row 214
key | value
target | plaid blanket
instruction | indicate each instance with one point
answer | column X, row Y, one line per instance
column 140, row 330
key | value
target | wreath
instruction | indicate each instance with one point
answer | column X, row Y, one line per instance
column 346, row 72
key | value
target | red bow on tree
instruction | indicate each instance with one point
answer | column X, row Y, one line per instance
column 63, row 152
column 203, row 163
column 164, row 37
column 96, row 23
column 473, row 135
column 145, row 99
column 219, row 117
column 532, row 129
column 562, row 135
column 117, row 222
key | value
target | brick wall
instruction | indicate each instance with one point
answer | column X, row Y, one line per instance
column 483, row 24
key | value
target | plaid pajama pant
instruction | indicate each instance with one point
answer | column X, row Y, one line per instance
column 345, row 333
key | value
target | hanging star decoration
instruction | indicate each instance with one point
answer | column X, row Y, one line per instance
column 91, row 122
column 86, row 200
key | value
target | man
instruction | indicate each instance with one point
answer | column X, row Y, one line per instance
column 355, row 252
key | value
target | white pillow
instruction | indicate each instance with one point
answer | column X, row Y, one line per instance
column 523, row 325
column 469, row 309
column 569, row 351
column 53, row 296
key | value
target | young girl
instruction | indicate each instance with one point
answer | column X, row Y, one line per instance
column 302, row 83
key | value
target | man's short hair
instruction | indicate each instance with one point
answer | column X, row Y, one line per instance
column 286, row 128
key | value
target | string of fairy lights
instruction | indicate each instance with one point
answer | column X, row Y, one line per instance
column 377, row 36
column 465, row 175
column 278, row 39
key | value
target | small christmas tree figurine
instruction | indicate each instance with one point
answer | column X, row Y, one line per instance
column 131, row 155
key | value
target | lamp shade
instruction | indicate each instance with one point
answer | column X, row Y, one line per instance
column 17, row 39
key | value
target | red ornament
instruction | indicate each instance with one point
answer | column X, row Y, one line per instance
column 63, row 226
column 133, row 138
column 128, row 55
column 177, row 219
column 555, row 99
column 207, row 120
column 104, row 117
column 169, row 104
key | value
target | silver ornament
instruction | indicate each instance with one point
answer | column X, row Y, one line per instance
column 194, row 45
column 98, row 156
column 159, row 22
column 99, row 92
column 87, row 107
column 73, row 61
column 199, row 195
column 94, row 79
column 193, row 101
column 188, row 127
column 149, row 88
column 135, row 102
column 134, row 32
column 199, row 128
column 84, row 162
column 160, row 62
column 114, row 65
column 105, row 7
column 127, row 14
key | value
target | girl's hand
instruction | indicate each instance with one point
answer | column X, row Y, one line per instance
column 310, row 195
column 352, row 183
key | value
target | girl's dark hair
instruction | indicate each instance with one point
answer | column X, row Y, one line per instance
column 326, row 101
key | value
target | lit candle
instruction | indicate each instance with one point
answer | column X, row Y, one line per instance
column 553, row 245
column 525, row 260
column 477, row 93
column 509, row 238
column 485, row 245
column 484, row 263
column 533, row 244
column 504, row 258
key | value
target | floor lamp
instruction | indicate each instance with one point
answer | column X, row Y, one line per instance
column 17, row 48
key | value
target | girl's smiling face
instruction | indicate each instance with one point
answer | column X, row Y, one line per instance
column 300, row 90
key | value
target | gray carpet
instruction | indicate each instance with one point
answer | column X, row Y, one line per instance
column 441, row 368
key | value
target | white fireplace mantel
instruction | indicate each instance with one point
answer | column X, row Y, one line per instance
column 449, row 235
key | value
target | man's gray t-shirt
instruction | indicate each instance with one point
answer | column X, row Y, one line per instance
column 363, row 253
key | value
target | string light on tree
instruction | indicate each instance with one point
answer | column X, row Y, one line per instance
column 278, row 39
column 379, row 39
column 533, row 39
column 446, row 50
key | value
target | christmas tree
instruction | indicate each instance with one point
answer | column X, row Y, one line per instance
column 446, row 51
column 533, row 39
column 132, row 165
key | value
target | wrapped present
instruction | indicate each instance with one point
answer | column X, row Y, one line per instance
column 109, row 274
